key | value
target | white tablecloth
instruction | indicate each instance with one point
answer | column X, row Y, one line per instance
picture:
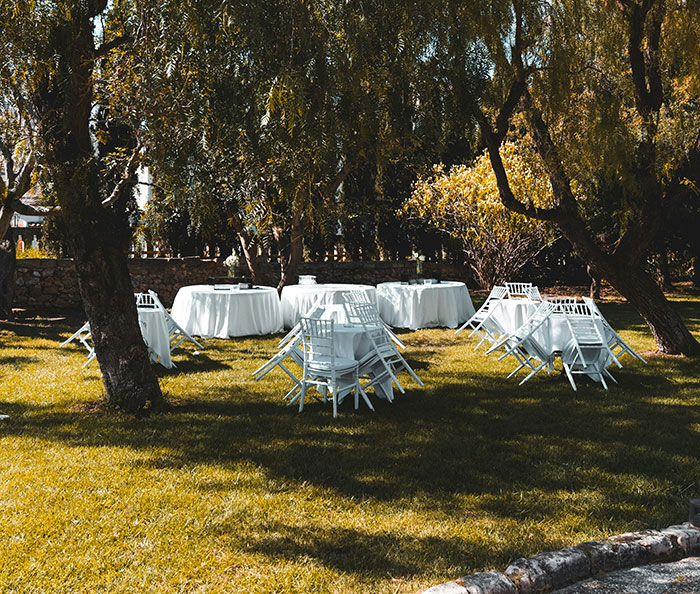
column 424, row 306
column 227, row 311
column 155, row 334
column 554, row 334
column 296, row 300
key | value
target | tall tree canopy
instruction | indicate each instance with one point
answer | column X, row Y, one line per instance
column 610, row 92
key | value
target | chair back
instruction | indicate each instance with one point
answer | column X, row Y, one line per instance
column 318, row 339
column 562, row 304
column 518, row 290
column 496, row 295
column 533, row 293
column 538, row 317
column 356, row 296
column 147, row 300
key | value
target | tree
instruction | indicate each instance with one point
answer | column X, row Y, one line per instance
column 610, row 93
column 18, row 159
column 465, row 204
column 57, row 43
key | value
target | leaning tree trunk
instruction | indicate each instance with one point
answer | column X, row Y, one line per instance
column 108, row 299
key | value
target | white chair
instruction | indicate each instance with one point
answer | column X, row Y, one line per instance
column 291, row 350
column 84, row 336
column 383, row 352
column 614, row 340
column 176, row 333
column 519, row 290
column 323, row 369
column 587, row 351
column 354, row 296
column 483, row 321
column 524, row 345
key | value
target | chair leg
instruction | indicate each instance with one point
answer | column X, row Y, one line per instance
column 610, row 375
column 571, row 378
column 533, row 372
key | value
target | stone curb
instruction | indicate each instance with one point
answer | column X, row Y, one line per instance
column 546, row 571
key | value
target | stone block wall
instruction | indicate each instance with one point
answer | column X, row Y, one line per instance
column 41, row 283
column 366, row 273
column 54, row 283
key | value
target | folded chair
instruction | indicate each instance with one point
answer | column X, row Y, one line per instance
column 361, row 297
column 176, row 332
column 483, row 321
column 587, row 351
column 614, row 340
column 84, row 335
column 384, row 351
column 323, row 369
column 524, row 345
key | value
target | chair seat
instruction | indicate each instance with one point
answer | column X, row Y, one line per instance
column 341, row 364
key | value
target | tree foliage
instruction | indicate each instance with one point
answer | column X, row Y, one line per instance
column 465, row 204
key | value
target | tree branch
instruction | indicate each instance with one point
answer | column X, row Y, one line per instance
column 129, row 171
column 107, row 47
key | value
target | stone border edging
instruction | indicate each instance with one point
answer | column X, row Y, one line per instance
column 545, row 571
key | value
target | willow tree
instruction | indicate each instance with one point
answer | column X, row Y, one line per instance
column 609, row 90
column 60, row 48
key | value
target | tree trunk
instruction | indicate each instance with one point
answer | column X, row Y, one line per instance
column 642, row 291
column 663, row 275
column 696, row 264
column 108, row 299
column 7, row 277
column 289, row 262
column 594, row 290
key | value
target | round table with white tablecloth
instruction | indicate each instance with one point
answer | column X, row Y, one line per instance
column 296, row 300
column 222, row 311
column 415, row 306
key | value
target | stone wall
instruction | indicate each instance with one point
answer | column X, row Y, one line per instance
column 366, row 273
column 54, row 283
column 41, row 283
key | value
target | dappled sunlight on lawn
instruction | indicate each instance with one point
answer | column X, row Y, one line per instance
column 233, row 489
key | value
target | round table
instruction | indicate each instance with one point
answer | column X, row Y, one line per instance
column 226, row 310
column 296, row 300
column 446, row 304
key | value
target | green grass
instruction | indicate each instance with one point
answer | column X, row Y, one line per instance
column 234, row 492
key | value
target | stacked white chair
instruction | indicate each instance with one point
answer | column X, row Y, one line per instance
column 384, row 351
column 524, row 345
column 483, row 322
column 614, row 340
column 84, row 336
column 176, row 333
column 323, row 369
column 362, row 297
column 587, row 352
column 519, row 290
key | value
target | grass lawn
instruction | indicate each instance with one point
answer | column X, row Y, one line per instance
column 234, row 492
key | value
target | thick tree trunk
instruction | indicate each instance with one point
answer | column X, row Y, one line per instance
column 669, row 330
column 7, row 277
column 108, row 299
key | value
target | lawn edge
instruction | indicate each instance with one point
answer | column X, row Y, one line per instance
column 546, row 571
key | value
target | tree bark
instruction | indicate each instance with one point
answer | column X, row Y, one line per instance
column 108, row 299
column 7, row 277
